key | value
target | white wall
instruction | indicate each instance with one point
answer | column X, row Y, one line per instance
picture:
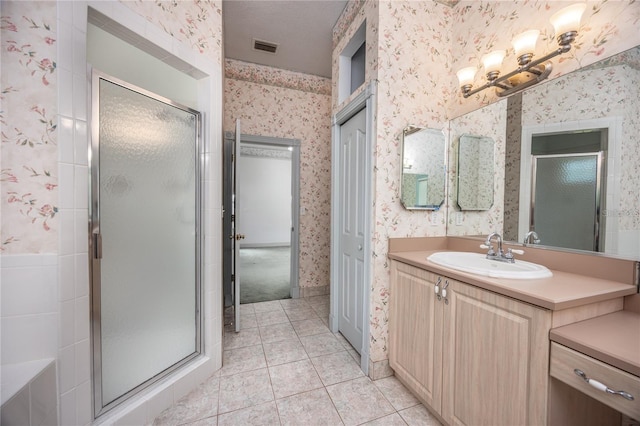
column 117, row 58
column 265, row 201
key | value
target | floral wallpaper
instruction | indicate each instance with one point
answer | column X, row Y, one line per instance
column 261, row 74
column 197, row 23
column 413, row 51
column 29, row 99
column 29, row 161
column 351, row 10
column 266, row 109
column 479, row 27
column 475, row 172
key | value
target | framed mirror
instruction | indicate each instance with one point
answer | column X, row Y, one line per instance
column 423, row 177
column 475, row 172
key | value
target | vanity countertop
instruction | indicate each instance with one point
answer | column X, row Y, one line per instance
column 561, row 291
column 613, row 339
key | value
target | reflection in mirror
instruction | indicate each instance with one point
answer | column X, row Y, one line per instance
column 603, row 97
column 422, row 184
column 567, row 188
column 475, row 172
column 490, row 122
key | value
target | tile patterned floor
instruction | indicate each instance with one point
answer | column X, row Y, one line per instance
column 285, row 367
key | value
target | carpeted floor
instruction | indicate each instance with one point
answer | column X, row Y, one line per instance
column 264, row 274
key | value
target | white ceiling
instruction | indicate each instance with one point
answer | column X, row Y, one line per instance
column 301, row 28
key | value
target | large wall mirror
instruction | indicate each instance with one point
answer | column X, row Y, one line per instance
column 569, row 154
column 422, row 184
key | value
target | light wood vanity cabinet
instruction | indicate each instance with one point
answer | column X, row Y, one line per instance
column 415, row 332
column 474, row 357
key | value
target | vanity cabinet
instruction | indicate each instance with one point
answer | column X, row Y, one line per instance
column 473, row 356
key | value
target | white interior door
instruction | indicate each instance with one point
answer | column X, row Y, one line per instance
column 237, row 236
column 351, row 222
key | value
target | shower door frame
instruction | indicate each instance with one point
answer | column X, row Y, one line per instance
column 598, row 228
column 95, row 244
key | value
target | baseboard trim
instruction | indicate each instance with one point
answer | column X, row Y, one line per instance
column 264, row 245
column 380, row 369
column 314, row 291
column 295, row 292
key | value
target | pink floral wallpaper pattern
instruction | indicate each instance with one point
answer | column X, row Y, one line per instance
column 28, row 179
column 196, row 23
column 608, row 27
column 261, row 74
column 29, row 99
column 266, row 109
column 413, row 51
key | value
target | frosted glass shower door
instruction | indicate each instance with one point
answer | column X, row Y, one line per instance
column 145, row 238
column 566, row 200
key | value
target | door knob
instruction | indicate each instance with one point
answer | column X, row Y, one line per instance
column 359, row 247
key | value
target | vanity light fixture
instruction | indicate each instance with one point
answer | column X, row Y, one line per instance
column 565, row 23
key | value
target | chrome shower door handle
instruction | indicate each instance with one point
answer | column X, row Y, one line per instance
column 97, row 245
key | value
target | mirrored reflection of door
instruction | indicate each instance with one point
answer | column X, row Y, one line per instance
column 145, row 240
column 566, row 200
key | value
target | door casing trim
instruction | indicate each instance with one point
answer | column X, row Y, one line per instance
column 295, row 199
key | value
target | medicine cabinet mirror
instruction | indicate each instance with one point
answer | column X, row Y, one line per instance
column 475, row 172
column 422, row 184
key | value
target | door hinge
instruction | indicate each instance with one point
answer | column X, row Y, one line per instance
column 233, row 218
column 233, row 277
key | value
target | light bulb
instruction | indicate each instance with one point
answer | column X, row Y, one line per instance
column 466, row 76
column 566, row 22
column 492, row 63
column 524, row 45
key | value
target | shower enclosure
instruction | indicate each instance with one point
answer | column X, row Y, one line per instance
column 144, row 238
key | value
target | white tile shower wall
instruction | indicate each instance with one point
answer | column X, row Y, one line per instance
column 29, row 308
column 34, row 403
column 74, row 355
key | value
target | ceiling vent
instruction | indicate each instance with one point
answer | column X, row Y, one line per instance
column 265, row 46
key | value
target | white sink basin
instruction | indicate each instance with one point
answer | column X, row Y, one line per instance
column 477, row 263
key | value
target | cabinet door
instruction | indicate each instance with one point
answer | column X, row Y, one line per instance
column 495, row 356
column 414, row 337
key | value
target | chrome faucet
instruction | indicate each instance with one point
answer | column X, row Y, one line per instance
column 499, row 255
column 531, row 238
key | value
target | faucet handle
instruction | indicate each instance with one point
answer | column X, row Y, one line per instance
column 491, row 251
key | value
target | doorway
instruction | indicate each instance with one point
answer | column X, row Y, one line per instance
column 261, row 217
column 351, row 216
column 145, row 178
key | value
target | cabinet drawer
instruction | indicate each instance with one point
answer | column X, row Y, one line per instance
column 563, row 363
